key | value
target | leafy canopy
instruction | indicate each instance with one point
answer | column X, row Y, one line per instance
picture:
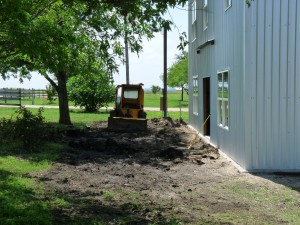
column 178, row 72
column 91, row 92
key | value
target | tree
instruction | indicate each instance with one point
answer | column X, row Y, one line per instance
column 178, row 72
column 64, row 38
column 155, row 89
column 91, row 92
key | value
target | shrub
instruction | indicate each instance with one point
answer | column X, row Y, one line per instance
column 91, row 92
column 27, row 128
column 5, row 130
column 155, row 89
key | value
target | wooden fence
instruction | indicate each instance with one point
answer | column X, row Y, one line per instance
column 17, row 96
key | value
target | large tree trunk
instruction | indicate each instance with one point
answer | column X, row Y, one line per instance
column 64, row 113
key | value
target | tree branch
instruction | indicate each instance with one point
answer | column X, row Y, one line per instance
column 50, row 80
column 38, row 13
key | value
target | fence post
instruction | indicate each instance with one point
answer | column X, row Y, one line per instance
column 20, row 96
column 32, row 96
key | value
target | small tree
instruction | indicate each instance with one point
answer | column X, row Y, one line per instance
column 91, row 92
column 178, row 72
column 155, row 89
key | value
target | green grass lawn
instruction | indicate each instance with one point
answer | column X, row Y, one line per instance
column 80, row 118
column 22, row 199
column 151, row 100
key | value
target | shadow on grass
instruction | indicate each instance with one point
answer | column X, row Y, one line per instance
column 291, row 180
column 24, row 201
column 80, row 111
column 79, row 209
column 48, row 152
column 18, row 204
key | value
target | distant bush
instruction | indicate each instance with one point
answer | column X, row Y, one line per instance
column 155, row 89
column 92, row 91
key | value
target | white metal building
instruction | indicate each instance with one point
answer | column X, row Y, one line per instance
column 244, row 71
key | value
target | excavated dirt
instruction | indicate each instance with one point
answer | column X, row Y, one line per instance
column 150, row 177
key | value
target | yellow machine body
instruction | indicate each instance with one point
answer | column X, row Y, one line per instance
column 129, row 108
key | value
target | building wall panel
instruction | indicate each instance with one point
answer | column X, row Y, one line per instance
column 297, row 88
column 268, row 144
column 260, row 48
column 291, row 83
column 275, row 116
column 274, row 77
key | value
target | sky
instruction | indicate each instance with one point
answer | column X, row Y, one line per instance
column 146, row 69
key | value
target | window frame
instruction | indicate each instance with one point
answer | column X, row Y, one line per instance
column 227, row 4
column 194, row 11
column 205, row 15
column 194, row 20
column 196, row 95
column 131, row 94
column 223, row 101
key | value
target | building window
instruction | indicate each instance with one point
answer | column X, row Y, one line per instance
column 194, row 19
column 194, row 10
column 223, row 99
column 195, row 95
column 227, row 4
column 205, row 14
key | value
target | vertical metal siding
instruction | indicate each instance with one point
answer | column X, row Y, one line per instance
column 251, row 53
column 247, row 89
column 275, row 116
column 260, row 46
column 283, row 83
column 297, row 87
column 229, row 55
column 268, row 144
column 260, row 83
column 275, row 111
column 291, row 148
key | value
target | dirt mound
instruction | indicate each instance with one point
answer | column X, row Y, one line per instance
column 164, row 140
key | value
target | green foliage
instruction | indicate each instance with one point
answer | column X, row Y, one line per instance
column 91, row 92
column 67, row 38
column 5, row 130
column 27, row 128
column 51, row 93
column 155, row 89
column 22, row 199
column 178, row 72
column 108, row 195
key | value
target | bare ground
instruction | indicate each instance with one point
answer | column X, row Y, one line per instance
column 153, row 178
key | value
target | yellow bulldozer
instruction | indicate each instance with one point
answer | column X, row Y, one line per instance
column 128, row 112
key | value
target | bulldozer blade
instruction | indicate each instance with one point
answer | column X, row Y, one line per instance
column 121, row 123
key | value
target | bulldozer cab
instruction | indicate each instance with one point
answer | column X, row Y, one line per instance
column 129, row 101
column 129, row 107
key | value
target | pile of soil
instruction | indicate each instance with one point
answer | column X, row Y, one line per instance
column 148, row 176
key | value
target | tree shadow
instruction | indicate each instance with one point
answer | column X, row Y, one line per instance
column 18, row 204
column 291, row 180
column 81, row 111
column 46, row 152
column 81, row 208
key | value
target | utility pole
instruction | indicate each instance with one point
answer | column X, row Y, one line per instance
column 126, row 49
column 165, row 74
